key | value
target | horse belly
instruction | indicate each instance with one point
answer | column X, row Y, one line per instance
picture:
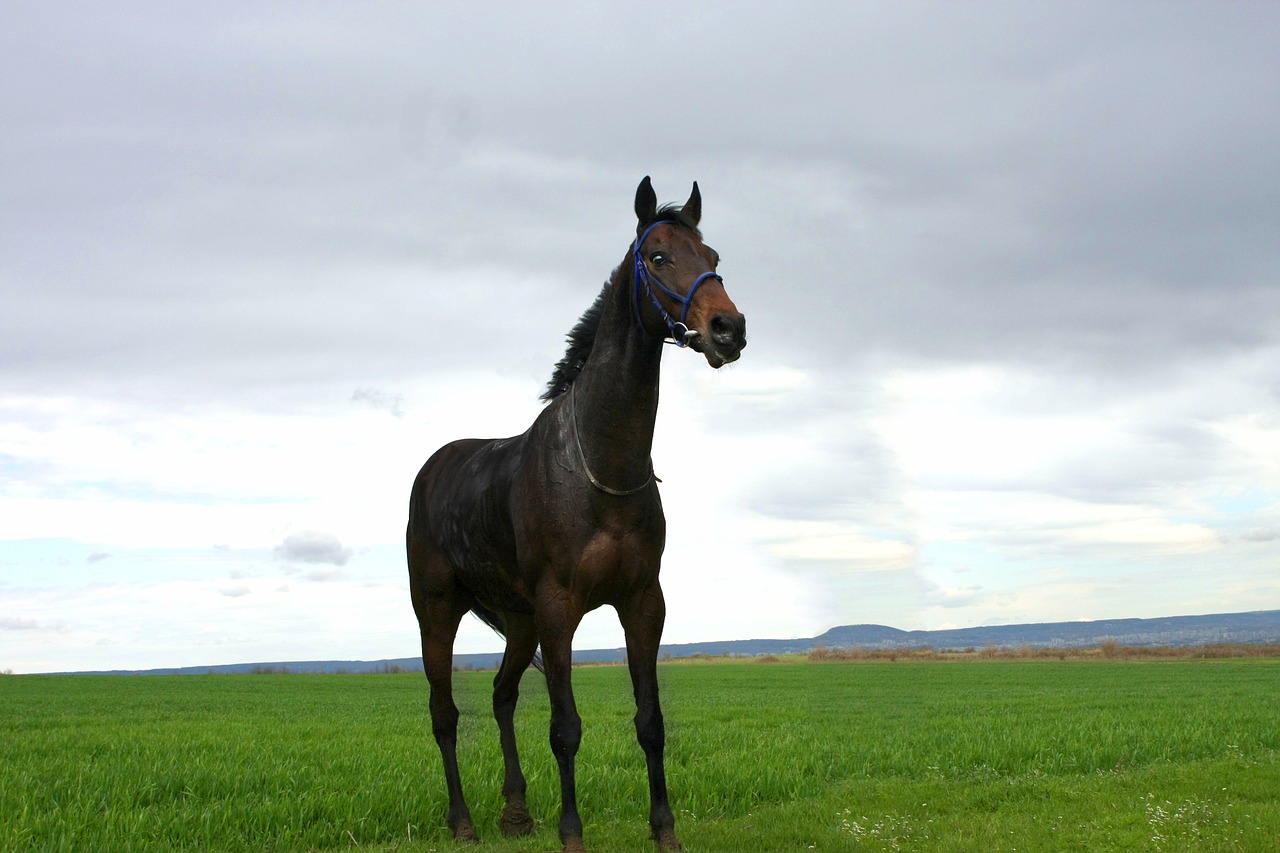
column 494, row 586
column 484, row 562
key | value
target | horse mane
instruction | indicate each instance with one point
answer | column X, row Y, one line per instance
column 674, row 214
column 581, row 339
column 582, row 336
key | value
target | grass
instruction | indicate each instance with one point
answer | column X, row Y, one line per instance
column 915, row 755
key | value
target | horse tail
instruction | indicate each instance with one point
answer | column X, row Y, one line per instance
column 494, row 621
column 490, row 618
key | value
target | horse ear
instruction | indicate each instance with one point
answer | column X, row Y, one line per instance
column 693, row 207
column 646, row 202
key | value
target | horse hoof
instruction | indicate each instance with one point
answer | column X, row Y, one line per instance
column 516, row 821
column 574, row 845
column 465, row 832
column 667, row 840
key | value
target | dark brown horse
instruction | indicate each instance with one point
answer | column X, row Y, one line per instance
column 530, row 533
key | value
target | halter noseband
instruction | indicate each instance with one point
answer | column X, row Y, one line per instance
column 681, row 334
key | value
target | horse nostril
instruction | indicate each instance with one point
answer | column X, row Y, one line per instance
column 727, row 330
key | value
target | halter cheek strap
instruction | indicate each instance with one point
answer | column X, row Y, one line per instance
column 681, row 334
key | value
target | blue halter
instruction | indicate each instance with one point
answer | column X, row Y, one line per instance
column 681, row 334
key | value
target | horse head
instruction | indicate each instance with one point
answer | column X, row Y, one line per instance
column 677, row 272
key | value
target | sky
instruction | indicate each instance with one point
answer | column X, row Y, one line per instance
column 1011, row 273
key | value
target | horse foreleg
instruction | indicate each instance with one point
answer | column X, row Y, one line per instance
column 557, row 620
column 642, row 619
column 438, row 631
column 522, row 642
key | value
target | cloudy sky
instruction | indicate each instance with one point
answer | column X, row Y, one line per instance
column 1012, row 275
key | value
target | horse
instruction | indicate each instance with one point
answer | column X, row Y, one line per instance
column 530, row 533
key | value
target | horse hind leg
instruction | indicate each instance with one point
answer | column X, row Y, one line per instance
column 437, row 660
column 438, row 618
column 522, row 642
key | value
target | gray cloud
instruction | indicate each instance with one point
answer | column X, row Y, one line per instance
column 313, row 547
column 1082, row 185
column 374, row 398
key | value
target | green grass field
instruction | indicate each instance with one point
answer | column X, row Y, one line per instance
column 977, row 756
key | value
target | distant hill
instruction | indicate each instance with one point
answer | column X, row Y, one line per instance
column 1259, row 626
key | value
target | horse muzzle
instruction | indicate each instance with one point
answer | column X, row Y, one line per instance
column 724, row 339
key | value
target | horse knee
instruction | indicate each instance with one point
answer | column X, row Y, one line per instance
column 504, row 701
column 566, row 735
column 651, row 731
column 444, row 721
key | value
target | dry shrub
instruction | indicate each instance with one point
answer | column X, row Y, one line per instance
column 860, row 654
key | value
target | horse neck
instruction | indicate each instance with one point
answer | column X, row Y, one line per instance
column 616, row 395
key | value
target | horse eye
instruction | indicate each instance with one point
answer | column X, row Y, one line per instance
column 658, row 259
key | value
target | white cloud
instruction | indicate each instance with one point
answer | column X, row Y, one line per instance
column 832, row 541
